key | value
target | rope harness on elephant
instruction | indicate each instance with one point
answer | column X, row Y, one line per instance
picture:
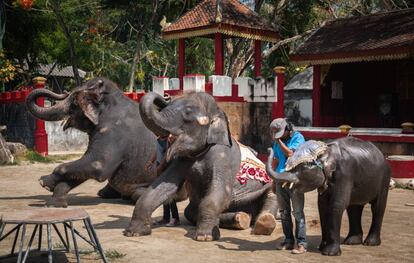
column 201, row 153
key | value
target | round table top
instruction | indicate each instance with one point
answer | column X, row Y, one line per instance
column 43, row 215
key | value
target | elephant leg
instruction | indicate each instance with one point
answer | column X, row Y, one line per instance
column 99, row 166
column 191, row 212
column 60, row 193
column 108, row 192
column 210, row 208
column 138, row 193
column 266, row 220
column 378, row 209
column 355, row 229
column 323, row 204
column 162, row 189
column 337, row 205
column 235, row 220
column 50, row 181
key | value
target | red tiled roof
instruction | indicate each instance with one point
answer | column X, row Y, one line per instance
column 374, row 37
column 231, row 18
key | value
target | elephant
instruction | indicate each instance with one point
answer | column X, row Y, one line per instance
column 119, row 143
column 207, row 158
column 348, row 173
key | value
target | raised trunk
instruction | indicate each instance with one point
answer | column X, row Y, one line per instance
column 284, row 177
column 53, row 113
column 151, row 116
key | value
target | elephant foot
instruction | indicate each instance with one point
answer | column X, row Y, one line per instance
column 242, row 221
column 331, row 250
column 353, row 240
column 265, row 224
column 49, row 181
column 322, row 245
column 137, row 228
column 57, row 202
column 108, row 192
column 214, row 234
column 372, row 240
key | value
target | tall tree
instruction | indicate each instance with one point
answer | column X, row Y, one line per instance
column 2, row 23
column 143, row 24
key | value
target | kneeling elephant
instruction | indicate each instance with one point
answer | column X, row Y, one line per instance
column 205, row 156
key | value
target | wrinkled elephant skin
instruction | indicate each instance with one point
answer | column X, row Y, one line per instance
column 205, row 156
column 119, row 143
column 349, row 173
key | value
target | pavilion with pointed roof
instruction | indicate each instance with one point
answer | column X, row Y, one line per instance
column 220, row 19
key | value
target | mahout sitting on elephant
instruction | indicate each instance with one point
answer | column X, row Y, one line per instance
column 348, row 174
column 207, row 158
column 119, row 143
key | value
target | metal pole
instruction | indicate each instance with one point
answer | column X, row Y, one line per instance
column 19, row 258
column 15, row 239
column 30, row 244
column 67, row 236
column 49, row 243
column 89, row 233
column 39, row 245
column 74, row 241
column 100, row 250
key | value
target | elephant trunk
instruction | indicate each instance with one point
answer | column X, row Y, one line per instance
column 283, row 177
column 54, row 113
column 151, row 116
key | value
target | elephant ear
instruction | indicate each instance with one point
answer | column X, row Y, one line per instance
column 89, row 100
column 328, row 161
column 218, row 131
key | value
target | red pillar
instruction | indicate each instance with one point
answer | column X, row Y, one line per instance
column 218, row 54
column 316, row 96
column 257, row 58
column 278, row 110
column 181, row 60
column 40, row 135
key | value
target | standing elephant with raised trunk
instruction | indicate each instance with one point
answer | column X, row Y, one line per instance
column 205, row 156
column 119, row 143
column 348, row 174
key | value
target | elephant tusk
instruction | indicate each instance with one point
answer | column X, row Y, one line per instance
column 291, row 185
column 203, row 120
column 284, row 184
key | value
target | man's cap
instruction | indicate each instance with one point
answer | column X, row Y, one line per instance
column 277, row 127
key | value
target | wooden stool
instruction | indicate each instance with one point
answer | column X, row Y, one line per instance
column 49, row 217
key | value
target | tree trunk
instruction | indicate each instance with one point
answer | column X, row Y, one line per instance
column 72, row 52
column 2, row 23
column 137, row 54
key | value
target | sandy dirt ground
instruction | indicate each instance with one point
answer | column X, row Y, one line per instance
column 19, row 189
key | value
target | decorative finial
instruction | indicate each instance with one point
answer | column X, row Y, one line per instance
column 219, row 16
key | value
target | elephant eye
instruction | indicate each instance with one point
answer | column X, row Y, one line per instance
column 188, row 112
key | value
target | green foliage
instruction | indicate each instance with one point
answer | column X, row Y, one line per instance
column 113, row 254
column 33, row 157
column 105, row 35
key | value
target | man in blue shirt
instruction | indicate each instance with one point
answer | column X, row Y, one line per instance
column 286, row 141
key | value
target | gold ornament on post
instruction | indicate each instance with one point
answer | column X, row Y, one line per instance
column 279, row 70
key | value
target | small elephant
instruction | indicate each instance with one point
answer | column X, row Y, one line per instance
column 348, row 174
column 119, row 143
column 207, row 158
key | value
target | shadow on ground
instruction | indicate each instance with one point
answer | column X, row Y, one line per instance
column 251, row 246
